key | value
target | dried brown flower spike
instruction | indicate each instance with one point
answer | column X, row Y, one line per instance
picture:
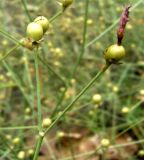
column 123, row 21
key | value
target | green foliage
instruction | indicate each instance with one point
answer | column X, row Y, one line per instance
column 51, row 80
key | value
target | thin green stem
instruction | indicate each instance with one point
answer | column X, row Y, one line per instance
column 127, row 144
column 130, row 127
column 9, row 52
column 55, row 16
column 26, row 10
column 9, row 36
column 29, row 77
column 47, row 143
column 7, row 85
column 111, row 147
column 38, row 93
column 84, row 37
column 5, row 154
column 136, row 4
column 51, row 69
column 59, row 103
column 78, row 96
column 61, row 78
column 38, row 146
column 124, row 75
column 18, row 128
column 138, row 130
column 40, row 138
column 111, row 26
column 136, row 105
column 114, row 120
column 17, row 81
column 102, row 34
column 80, row 56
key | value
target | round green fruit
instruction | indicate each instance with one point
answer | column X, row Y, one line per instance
column 43, row 21
column 34, row 31
column 114, row 53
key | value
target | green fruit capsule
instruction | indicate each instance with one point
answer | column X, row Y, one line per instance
column 34, row 31
column 43, row 21
column 114, row 53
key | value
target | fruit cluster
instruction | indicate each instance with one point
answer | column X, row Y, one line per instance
column 37, row 29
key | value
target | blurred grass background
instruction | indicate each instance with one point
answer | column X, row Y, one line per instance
column 120, row 111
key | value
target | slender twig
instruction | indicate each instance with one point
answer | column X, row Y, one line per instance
column 38, row 92
column 38, row 146
column 114, row 121
column 56, row 16
column 102, row 34
column 9, row 52
column 133, row 125
column 79, row 58
column 29, row 76
column 61, row 78
column 18, row 81
column 127, row 144
column 68, row 108
column 53, row 71
column 26, row 9
column 59, row 103
column 18, row 128
column 83, row 39
column 136, row 105
column 40, row 138
column 111, row 26
column 9, row 36
column 60, row 100
column 111, row 147
column 78, row 96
